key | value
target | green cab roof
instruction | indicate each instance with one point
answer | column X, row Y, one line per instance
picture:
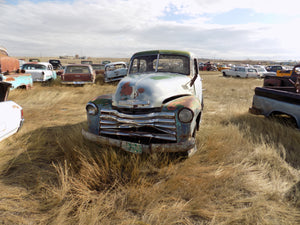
column 155, row 52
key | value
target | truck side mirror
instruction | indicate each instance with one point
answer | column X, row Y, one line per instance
column 193, row 80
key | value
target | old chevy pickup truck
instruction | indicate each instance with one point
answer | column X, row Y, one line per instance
column 278, row 96
column 157, row 107
column 10, row 72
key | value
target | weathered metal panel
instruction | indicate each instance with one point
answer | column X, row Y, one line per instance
column 18, row 80
column 8, row 64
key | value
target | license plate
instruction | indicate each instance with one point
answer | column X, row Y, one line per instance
column 132, row 147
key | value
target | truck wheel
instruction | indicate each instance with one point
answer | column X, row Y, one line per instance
column 224, row 74
column 193, row 150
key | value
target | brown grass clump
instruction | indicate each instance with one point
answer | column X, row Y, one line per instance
column 246, row 170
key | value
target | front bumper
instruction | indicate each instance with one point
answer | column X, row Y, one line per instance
column 141, row 148
column 77, row 82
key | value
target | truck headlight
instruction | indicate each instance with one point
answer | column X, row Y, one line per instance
column 91, row 109
column 185, row 115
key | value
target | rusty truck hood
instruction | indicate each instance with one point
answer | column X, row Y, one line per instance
column 150, row 90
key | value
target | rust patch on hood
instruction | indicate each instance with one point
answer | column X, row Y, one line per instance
column 141, row 90
column 126, row 89
column 9, row 79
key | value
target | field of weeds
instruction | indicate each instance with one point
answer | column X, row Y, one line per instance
column 246, row 169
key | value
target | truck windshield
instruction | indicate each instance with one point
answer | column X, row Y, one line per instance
column 166, row 63
column 113, row 67
column 98, row 67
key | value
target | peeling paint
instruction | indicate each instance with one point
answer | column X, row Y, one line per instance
column 187, row 101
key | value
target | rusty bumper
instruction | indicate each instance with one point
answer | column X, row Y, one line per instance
column 140, row 148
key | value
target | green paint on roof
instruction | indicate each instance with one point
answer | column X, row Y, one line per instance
column 162, row 77
column 155, row 52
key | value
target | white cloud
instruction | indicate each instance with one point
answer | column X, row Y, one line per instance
column 118, row 28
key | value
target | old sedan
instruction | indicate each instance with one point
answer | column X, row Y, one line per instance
column 78, row 74
column 11, row 114
column 241, row 71
column 262, row 72
column 157, row 107
column 40, row 71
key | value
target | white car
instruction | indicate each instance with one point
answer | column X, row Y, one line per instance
column 11, row 114
column 263, row 72
column 241, row 71
column 40, row 71
column 115, row 71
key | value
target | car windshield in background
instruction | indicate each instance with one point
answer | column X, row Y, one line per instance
column 114, row 67
column 260, row 69
column 166, row 63
column 98, row 67
column 77, row 69
column 33, row 67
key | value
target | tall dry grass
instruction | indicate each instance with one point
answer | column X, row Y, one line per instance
column 246, row 170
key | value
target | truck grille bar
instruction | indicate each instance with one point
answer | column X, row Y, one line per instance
column 155, row 125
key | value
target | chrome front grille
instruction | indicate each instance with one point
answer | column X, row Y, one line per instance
column 150, row 127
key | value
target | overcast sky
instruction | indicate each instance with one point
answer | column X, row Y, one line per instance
column 217, row 29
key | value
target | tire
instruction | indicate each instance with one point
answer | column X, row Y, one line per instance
column 193, row 150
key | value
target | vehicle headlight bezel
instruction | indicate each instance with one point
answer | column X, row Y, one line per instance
column 185, row 115
column 91, row 109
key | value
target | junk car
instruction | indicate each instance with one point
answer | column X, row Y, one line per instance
column 55, row 63
column 78, row 74
column 115, row 71
column 11, row 114
column 99, row 68
column 40, row 71
column 241, row 71
column 10, row 73
column 262, row 72
column 157, row 107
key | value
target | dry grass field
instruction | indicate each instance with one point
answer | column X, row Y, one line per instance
column 246, row 169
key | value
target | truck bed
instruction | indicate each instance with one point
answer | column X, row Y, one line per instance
column 286, row 94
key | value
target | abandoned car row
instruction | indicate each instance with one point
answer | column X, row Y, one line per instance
column 158, row 102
